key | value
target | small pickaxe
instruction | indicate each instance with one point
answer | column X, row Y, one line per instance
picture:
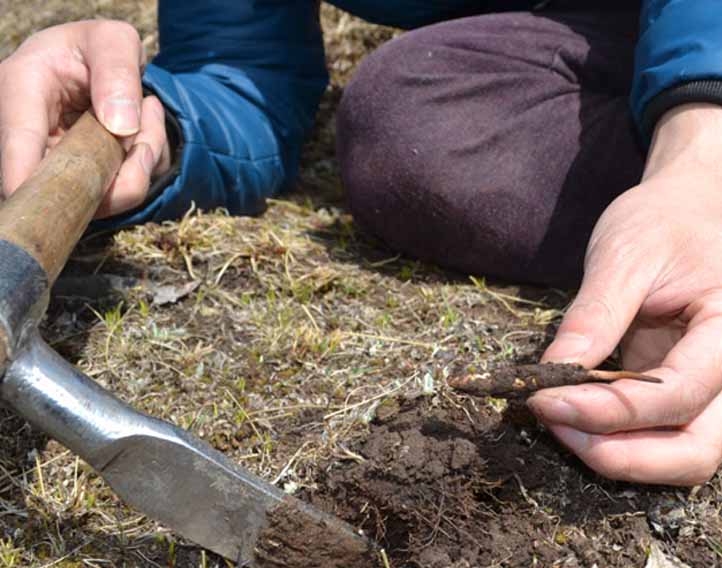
column 153, row 466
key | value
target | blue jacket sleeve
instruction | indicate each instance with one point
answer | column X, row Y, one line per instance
column 409, row 14
column 243, row 80
column 678, row 58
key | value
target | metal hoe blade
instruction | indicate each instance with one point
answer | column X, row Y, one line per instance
column 152, row 465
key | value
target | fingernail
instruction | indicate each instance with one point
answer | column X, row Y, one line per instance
column 551, row 409
column 573, row 439
column 121, row 116
column 570, row 346
column 147, row 160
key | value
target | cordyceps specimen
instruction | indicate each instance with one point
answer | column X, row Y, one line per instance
column 522, row 380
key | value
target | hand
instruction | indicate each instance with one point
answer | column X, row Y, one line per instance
column 653, row 280
column 57, row 74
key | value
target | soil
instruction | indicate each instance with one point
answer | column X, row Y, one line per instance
column 445, row 484
column 294, row 539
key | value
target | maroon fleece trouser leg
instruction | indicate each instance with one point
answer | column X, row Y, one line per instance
column 492, row 144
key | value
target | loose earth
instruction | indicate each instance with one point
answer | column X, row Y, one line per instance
column 450, row 482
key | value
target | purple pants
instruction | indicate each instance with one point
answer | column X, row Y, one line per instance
column 492, row 144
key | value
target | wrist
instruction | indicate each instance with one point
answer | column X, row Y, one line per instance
column 687, row 138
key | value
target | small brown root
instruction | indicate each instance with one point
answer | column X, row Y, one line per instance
column 521, row 380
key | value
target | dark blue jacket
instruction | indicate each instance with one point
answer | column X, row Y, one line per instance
column 244, row 79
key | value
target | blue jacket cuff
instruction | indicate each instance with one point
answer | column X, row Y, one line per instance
column 216, row 168
column 677, row 59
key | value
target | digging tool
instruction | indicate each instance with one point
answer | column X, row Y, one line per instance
column 152, row 465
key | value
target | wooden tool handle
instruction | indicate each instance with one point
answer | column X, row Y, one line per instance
column 48, row 213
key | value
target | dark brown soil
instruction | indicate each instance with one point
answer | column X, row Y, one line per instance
column 446, row 484
column 294, row 539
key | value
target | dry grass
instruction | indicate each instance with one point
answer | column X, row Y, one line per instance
column 21, row 19
column 294, row 330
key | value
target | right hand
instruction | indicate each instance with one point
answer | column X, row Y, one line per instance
column 57, row 74
column 652, row 281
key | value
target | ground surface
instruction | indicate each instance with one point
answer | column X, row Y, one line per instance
column 316, row 358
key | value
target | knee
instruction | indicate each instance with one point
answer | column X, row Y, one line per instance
column 378, row 136
column 368, row 105
column 408, row 176
column 431, row 167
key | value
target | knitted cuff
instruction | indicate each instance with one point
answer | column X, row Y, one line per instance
column 705, row 91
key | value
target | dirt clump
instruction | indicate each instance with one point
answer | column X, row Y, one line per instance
column 295, row 539
column 418, row 492
column 447, row 483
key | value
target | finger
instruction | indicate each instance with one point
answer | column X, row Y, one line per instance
column 662, row 457
column 131, row 184
column 692, row 375
column 24, row 126
column 646, row 344
column 114, row 56
column 153, row 133
column 688, row 456
column 612, row 291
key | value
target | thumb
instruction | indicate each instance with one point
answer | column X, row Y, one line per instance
column 114, row 55
column 612, row 291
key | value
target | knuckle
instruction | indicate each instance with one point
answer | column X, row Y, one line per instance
column 603, row 410
column 39, row 37
column 51, row 36
column 616, row 419
column 694, row 396
column 703, row 308
column 611, row 462
column 138, row 195
column 11, row 68
column 706, row 469
column 16, row 137
column 617, row 249
column 157, row 111
column 120, row 28
column 154, row 103
column 6, row 138
column 132, row 187
column 598, row 309
column 137, row 190
column 121, row 74
column 614, row 467
column 160, row 144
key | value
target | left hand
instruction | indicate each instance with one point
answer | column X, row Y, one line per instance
column 653, row 281
column 57, row 74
